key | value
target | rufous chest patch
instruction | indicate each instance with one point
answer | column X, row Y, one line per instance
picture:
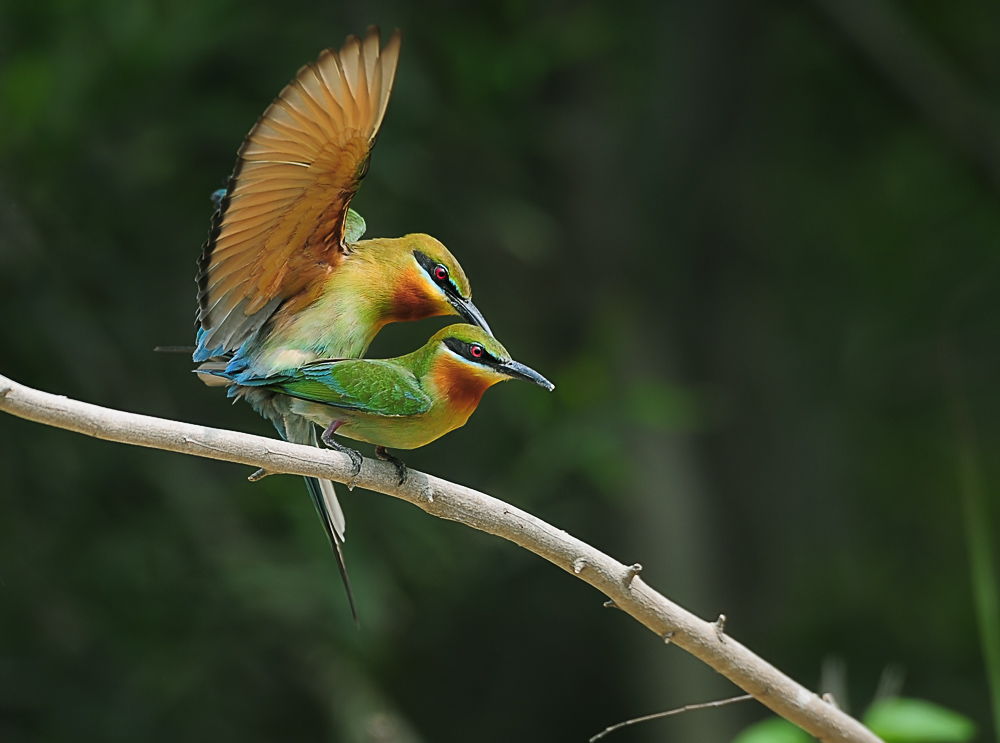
column 461, row 384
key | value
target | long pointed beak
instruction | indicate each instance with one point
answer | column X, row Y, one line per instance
column 517, row 370
column 468, row 311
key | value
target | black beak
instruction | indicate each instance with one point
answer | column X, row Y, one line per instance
column 469, row 313
column 518, row 370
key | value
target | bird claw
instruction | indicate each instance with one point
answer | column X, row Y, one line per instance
column 401, row 469
column 354, row 454
column 356, row 460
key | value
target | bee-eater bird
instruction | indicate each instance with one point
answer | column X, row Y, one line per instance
column 400, row 403
column 285, row 278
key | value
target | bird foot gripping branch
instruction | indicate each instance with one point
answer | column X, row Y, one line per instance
column 354, row 454
column 382, row 453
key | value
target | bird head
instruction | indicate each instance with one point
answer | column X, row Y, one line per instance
column 466, row 360
column 433, row 284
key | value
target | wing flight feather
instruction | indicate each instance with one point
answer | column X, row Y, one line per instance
column 280, row 228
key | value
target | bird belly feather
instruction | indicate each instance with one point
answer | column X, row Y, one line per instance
column 392, row 432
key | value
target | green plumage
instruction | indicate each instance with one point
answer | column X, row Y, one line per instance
column 401, row 403
column 384, row 388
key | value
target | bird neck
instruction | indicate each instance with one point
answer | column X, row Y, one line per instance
column 376, row 284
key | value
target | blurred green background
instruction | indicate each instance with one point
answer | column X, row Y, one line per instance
column 742, row 238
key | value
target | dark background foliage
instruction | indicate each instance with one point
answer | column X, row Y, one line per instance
column 740, row 237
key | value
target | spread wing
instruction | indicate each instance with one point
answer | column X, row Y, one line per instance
column 280, row 227
column 371, row 386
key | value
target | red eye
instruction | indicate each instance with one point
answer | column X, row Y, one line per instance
column 476, row 350
column 440, row 273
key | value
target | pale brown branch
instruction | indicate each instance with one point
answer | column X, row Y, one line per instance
column 620, row 583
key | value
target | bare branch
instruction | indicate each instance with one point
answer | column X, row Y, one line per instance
column 671, row 713
column 444, row 499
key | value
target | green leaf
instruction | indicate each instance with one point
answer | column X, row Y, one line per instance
column 773, row 730
column 898, row 720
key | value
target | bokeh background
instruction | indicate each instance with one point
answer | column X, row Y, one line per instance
column 755, row 244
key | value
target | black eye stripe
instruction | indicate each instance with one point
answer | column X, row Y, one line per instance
column 464, row 349
column 430, row 266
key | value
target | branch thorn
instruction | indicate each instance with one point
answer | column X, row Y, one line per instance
column 668, row 636
column 258, row 475
column 578, row 565
column 720, row 627
column 610, row 604
column 631, row 572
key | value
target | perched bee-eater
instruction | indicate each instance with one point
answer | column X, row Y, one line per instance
column 401, row 403
column 284, row 278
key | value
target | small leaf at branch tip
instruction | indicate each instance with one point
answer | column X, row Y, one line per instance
column 578, row 565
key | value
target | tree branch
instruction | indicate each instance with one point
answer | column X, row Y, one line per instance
column 670, row 713
column 620, row 583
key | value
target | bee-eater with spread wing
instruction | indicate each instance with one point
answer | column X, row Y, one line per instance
column 284, row 278
column 401, row 403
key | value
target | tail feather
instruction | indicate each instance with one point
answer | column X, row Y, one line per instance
column 298, row 430
column 328, row 515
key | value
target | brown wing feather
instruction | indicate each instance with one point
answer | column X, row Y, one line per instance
column 280, row 228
